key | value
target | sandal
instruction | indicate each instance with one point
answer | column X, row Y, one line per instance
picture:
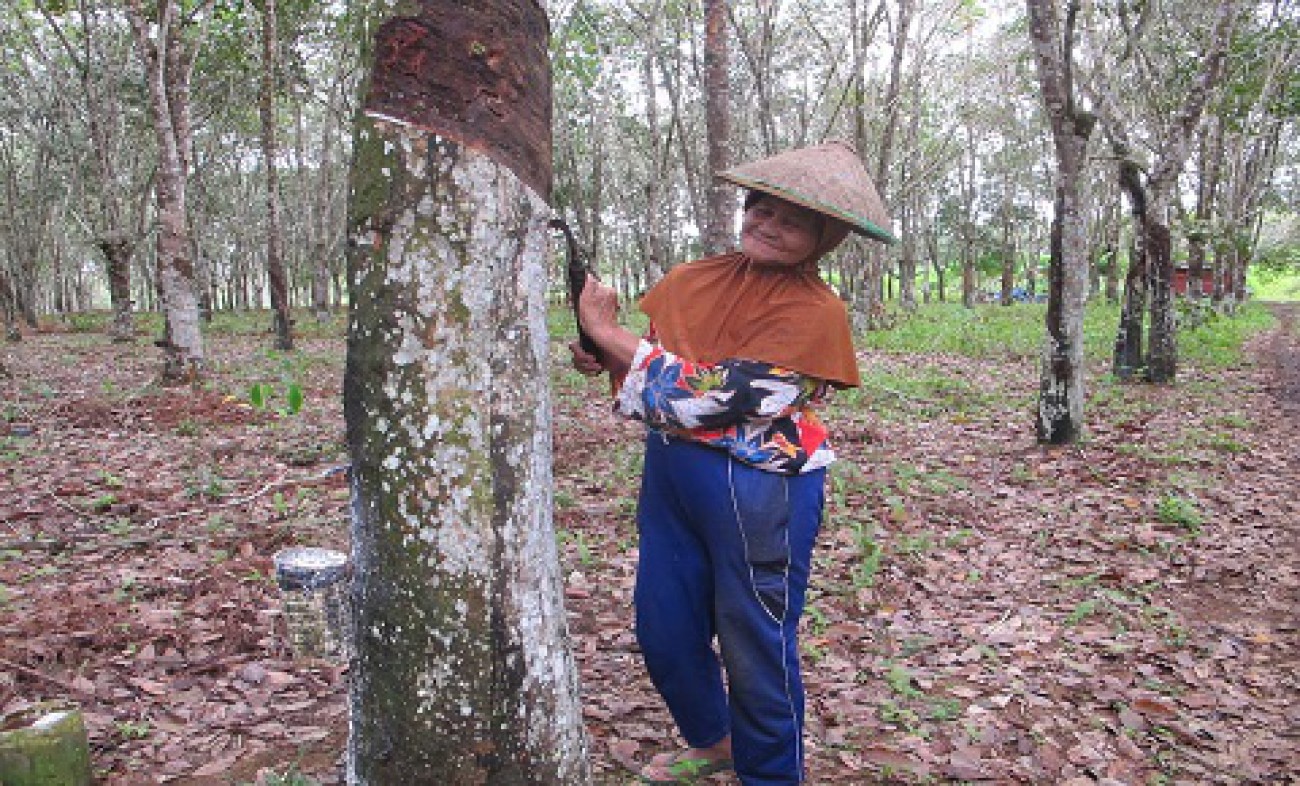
column 677, row 769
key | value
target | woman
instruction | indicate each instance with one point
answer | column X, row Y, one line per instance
column 741, row 348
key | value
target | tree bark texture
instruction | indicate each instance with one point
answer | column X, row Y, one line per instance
column 117, row 255
column 719, row 214
column 1061, row 389
column 1162, row 346
column 9, row 308
column 1209, row 167
column 462, row 673
column 167, row 69
column 656, row 260
column 275, row 273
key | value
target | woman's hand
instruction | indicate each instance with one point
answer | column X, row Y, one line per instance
column 598, row 309
column 586, row 363
column 598, row 314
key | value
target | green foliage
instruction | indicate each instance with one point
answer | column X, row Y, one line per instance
column 293, row 398
column 260, row 394
column 1082, row 611
column 133, row 730
column 1275, row 277
column 1218, row 342
column 290, row 777
column 206, row 483
column 899, row 681
column 257, row 395
column 188, row 428
column 871, row 554
column 1182, row 511
column 87, row 322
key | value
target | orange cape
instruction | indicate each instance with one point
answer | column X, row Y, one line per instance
column 730, row 307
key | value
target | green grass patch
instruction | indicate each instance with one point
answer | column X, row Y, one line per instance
column 1217, row 343
column 1274, row 286
column 988, row 331
column 916, row 391
column 993, row 331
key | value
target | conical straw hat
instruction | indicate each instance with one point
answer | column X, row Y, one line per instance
column 828, row 178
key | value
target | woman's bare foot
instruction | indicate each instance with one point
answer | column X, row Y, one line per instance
column 687, row 766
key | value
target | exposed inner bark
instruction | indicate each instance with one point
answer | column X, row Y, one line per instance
column 480, row 78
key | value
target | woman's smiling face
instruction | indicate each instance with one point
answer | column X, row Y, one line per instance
column 776, row 232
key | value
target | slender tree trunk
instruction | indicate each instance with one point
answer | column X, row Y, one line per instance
column 1208, row 163
column 167, row 72
column 1162, row 342
column 719, row 215
column 1061, row 392
column 1128, row 356
column 117, row 255
column 1008, row 245
column 1112, row 274
column 462, row 673
column 871, row 312
column 276, row 277
column 9, row 308
column 907, row 259
column 656, row 262
column 1110, row 240
column 967, row 175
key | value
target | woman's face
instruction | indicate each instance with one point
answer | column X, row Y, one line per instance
column 777, row 232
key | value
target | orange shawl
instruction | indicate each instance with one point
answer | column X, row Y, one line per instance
column 729, row 307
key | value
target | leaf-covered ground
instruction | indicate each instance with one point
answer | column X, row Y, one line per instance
column 984, row 609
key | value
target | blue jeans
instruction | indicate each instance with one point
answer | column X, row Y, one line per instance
column 725, row 553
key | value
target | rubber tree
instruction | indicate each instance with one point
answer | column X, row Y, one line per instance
column 275, row 267
column 98, row 59
column 1150, row 191
column 1061, row 389
column 168, row 39
column 461, row 672
column 717, row 116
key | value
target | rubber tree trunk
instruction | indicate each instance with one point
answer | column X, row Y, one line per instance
column 9, row 308
column 320, row 281
column 117, row 254
column 719, row 214
column 162, row 51
column 1129, row 356
column 276, row 277
column 1061, row 386
column 1162, row 340
column 462, row 673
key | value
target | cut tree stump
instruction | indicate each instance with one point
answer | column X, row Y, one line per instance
column 44, row 745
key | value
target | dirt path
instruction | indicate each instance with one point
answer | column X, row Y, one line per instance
column 1282, row 352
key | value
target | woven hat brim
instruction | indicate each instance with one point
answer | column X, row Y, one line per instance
column 860, row 224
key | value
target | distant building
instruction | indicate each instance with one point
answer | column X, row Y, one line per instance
column 1182, row 275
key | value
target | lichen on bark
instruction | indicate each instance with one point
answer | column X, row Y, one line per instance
column 462, row 671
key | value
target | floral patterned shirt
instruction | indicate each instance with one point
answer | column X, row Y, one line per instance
column 760, row 413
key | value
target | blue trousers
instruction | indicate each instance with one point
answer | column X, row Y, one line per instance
column 725, row 553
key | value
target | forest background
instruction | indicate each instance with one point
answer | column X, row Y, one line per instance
column 940, row 98
column 1170, row 496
